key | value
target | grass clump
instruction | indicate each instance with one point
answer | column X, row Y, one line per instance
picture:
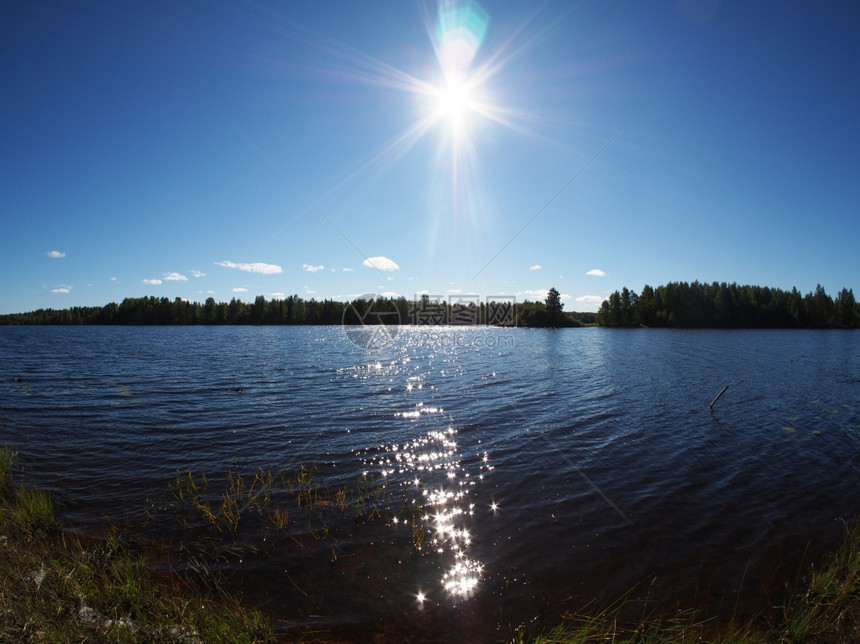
column 57, row 587
column 828, row 608
column 8, row 456
column 824, row 608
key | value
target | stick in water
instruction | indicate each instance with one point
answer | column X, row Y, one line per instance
column 711, row 406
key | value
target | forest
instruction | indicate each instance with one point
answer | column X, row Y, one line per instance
column 296, row 310
column 676, row 304
column 729, row 306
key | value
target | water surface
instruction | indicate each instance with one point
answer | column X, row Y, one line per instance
column 545, row 468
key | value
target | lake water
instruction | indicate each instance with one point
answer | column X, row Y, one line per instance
column 527, row 472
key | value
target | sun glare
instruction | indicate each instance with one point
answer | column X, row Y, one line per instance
column 455, row 100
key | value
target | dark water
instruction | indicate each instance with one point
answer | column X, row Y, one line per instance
column 544, row 468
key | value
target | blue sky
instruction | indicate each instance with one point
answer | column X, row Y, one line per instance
column 332, row 149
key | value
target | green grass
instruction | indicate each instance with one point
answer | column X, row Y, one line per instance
column 824, row 608
column 57, row 587
column 8, row 456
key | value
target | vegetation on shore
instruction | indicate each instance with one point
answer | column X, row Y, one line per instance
column 824, row 608
column 58, row 587
column 730, row 306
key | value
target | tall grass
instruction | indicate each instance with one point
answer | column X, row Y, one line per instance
column 58, row 587
column 824, row 608
column 55, row 586
column 8, row 457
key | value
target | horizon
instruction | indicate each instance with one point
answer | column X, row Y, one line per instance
column 449, row 300
column 453, row 148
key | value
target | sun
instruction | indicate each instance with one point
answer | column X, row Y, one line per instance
column 455, row 101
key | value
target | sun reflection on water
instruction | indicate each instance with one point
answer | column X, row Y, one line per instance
column 432, row 465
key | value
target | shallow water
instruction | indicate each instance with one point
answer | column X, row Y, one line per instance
column 552, row 467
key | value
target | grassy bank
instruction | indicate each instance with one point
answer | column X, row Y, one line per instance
column 824, row 609
column 57, row 587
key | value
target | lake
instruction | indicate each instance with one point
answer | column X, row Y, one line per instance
column 450, row 483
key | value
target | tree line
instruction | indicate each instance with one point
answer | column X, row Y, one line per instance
column 721, row 305
column 296, row 310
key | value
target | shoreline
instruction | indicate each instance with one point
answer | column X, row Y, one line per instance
column 824, row 605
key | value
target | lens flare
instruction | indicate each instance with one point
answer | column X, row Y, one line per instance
column 456, row 100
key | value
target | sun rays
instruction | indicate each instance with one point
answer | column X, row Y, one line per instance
column 452, row 100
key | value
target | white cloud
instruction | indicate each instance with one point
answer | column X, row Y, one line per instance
column 240, row 289
column 389, row 294
column 310, row 268
column 381, row 263
column 536, row 267
column 59, row 291
column 309, row 291
column 113, row 279
column 55, row 254
column 278, row 296
column 198, row 273
column 539, row 295
column 349, row 270
column 175, row 277
column 152, row 282
column 455, row 291
column 256, row 267
column 596, row 272
column 590, row 299
column 535, row 293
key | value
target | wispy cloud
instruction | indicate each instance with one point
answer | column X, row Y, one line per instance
column 536, row 267
column 240, row 289
column 381, row 263
column 278, row 295
column 535, row 293
column 175, row 277
column 61, row 289
column 55, row 254
column 114, row 279
column 155, row 282
column 309, row 291
column 390, row 294
column 596, row 272
column 349, row 270
column 589, row 299
column 255, row 267
column 198, row 273
column 310, row 268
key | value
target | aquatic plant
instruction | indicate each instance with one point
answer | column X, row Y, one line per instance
column 56, row 586
column 8, row 458
column 824, row 607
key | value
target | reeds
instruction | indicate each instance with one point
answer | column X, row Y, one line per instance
column 55, row 586
column 299, row 498
column 824, row 608
column 8, row 457
column 58, row 587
